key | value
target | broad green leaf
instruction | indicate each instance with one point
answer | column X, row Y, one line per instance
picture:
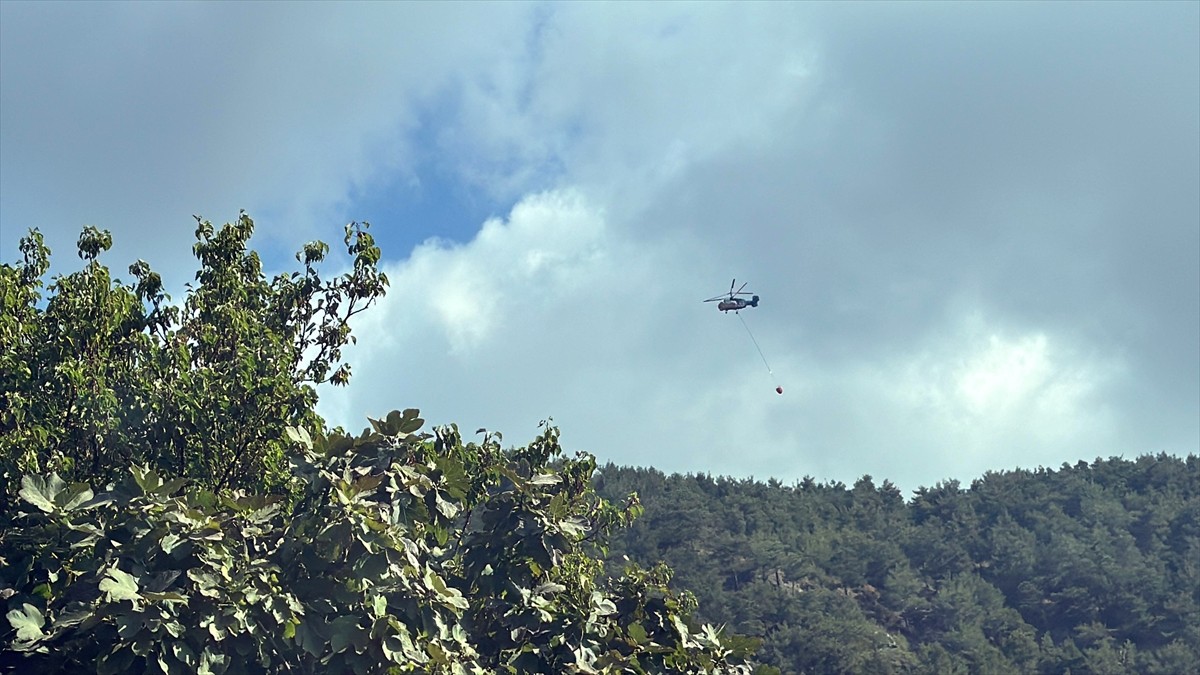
column 129, row 625
column 184, row 653
column 299, row 436
column 446, row 508
column 309, row 638
column 680, row 626
column 74, row 496
column 412, row 421
column 212, row 662
column 711, row 636
column 345, row 631
column 41, row 491
column 167, row 664
column 393, row 649
column 28, row 622
column 549, row 587
column 169, row 542
column 637, row 633
column 602, row 605
column 118, row 585
column 573, row 527
column 146, row 478
column 72, row 617
column 171, row 487
column 391, row 426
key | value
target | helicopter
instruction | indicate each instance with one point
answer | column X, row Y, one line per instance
column 729, row 302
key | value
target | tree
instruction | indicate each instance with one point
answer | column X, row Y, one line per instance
column 104, row 373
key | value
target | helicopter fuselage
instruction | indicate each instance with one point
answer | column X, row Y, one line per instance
column 737, row 304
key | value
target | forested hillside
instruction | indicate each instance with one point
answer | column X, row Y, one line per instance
column 1091, row 568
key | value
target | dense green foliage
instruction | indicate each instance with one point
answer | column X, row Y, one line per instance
column 104, row 374
column 1092, row 568
column 405, row 552
column 172, row 503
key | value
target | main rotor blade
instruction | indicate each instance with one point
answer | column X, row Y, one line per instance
column 739, row 291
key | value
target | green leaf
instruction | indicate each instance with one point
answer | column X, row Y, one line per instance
column 309, row 638
column 41, row 491
column 549, row 587
column 169, row 542
column 171, row 487
column 602, row 605
column 119, row 661
column 146, row 478
column 412, row 421
column 184, row 653
column 28, row 622
column 102, row 499
column 129, row 625
column 119, row 585
column 168, row 665
column 299, row 436
column 344, row 632
column 637, row 633
column 391, row 426
column 573, row 527
column 680, row 626
column 212, row 663
column 72, row 497
column 73, row 617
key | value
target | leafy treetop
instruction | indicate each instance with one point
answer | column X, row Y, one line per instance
column 105, row 373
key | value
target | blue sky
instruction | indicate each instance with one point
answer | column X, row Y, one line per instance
column 975, row 227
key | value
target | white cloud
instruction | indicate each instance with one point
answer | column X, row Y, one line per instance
column 1004, row 374
column 972, row 396
column 512, row 268
column 553, row 312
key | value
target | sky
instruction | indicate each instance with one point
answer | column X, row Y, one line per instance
column 974, row 227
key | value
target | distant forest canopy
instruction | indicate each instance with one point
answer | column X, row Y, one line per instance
column 1090, row 568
